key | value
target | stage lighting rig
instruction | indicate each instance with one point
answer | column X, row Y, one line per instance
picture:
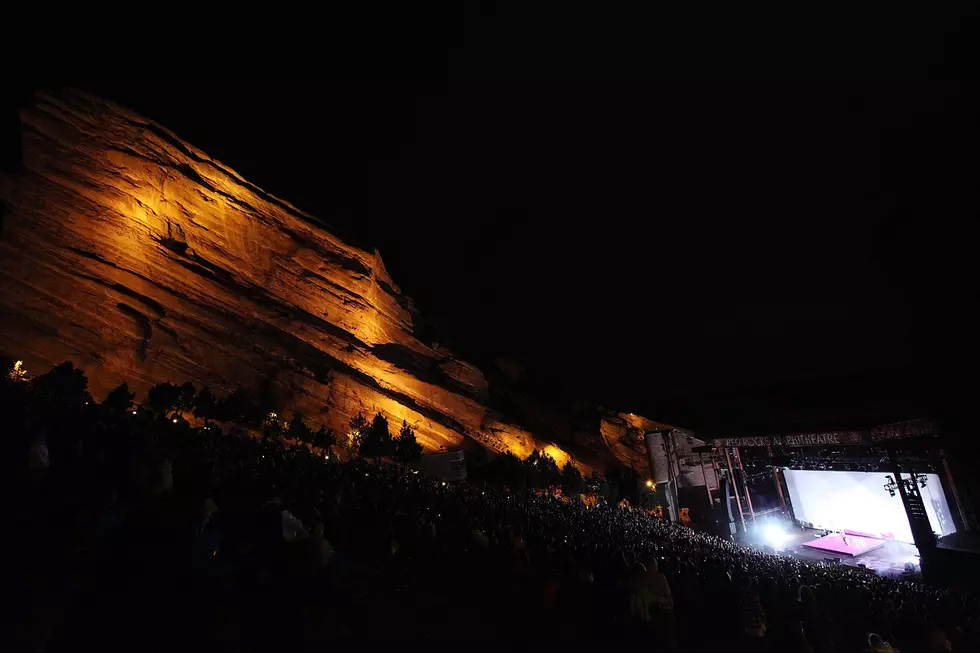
column 891, row 486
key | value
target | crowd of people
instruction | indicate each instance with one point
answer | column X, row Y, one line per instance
column 137, row 530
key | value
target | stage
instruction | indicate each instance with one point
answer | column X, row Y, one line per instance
column 845, row 544
column 885, row 557
column 853, row 506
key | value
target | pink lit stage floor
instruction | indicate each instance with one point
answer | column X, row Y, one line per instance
column 886, row 557
column 849, row 545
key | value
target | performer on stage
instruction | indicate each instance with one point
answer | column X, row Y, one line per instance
column 843, row 535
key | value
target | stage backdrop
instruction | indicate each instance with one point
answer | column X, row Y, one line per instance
column 859, row 502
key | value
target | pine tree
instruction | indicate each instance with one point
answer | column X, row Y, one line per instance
column 542, row 470
column 355, row 437
column 513, row 471
column 548, row 469
column 272, row 427
column 377, row 441
column 507, row 469
column 571, row 480
column 533, row 457
column 298, row 430
column 407, row 448
column 324, row 438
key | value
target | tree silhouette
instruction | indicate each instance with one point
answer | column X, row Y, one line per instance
column 272, row 427
column 59, row 399
column 509, row 470
column 625, row 483
column 533, row 457
column 324, row 438
column 622, row 485
column 165, row 399
column 206, row 405
column 377, row 441
column 162, row 397
column 407, row 448
column 62, row 387
column 355, row 437
column 239, row 408
column 571, row 480
column 119, row 401
column 298, row 430
column 542, row 470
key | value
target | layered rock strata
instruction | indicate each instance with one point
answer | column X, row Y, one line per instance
column 141, row 259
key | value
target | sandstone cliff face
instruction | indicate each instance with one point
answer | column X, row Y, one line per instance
column 141, row 259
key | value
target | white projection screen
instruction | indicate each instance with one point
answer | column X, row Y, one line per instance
column 859, row 502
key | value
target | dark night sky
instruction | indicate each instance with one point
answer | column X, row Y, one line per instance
column 637, row 239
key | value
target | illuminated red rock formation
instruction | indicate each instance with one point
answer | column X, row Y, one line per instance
column 141, row 259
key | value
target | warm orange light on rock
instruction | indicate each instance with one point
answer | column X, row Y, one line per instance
column 141, row 259
column 559, row 456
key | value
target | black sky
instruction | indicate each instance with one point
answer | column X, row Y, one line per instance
column 647, row 236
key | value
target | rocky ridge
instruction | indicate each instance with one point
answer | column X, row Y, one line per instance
column 141, row 259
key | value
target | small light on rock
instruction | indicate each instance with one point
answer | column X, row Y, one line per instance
column 175, row 420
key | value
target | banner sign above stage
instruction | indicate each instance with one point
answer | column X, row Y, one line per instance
column 915, row 428
column 819, row 439
column 795, row 440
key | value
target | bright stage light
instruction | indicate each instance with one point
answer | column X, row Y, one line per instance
column 775, row 535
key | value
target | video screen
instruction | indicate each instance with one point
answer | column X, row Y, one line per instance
column 858, row 502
